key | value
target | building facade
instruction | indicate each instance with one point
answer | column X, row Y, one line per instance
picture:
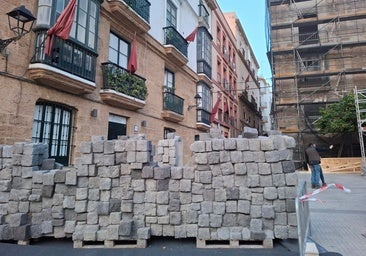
column 84, row 86
column 317, row 52
column 248, row 86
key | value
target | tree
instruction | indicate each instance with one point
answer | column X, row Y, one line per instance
column 339, row 119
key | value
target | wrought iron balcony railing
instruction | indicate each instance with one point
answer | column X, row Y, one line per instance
column 141, row 7
column 120, row 80
column 173, row 37
column 67, row 56
column 173, row 103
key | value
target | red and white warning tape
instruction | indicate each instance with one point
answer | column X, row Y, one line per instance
column 307, row 197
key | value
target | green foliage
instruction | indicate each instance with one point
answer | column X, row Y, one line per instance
column 121, row 81
column 339, row 117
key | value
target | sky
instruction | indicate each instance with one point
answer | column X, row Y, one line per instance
column 251, row 14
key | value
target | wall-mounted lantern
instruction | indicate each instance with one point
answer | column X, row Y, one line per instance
column 20, row 22
column 198, row 99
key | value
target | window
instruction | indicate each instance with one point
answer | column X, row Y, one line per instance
column 169, row 85
column 204, row 91
column 204, row 109
column 85, row 26
column 118, row 51
column 116, row 126
column 166, row 131
column 78, row 54
column 308, row 34
column 52, row 126
column 204, row 52
column 171, row 14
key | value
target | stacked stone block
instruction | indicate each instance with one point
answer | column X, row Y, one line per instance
column 234, row 189
column 170, row 151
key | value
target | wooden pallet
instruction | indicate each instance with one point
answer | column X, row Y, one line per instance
column 111, row 244
column 201, row 243
column 341, row 164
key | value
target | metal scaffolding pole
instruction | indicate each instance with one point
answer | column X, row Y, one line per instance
column 360, row 100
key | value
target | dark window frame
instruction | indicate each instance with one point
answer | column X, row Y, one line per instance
column 45, row 128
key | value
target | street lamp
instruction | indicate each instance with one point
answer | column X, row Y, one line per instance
column 20, row 22
column 198, row 102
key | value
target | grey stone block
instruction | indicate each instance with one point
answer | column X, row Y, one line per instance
column 5, row 185
column 224, row 156
column 17, row 219
column 198, row 147
column 201, row 158
column 47, row 227
column 229, row 220
column 144, row 233
column 204, row 220
column 268, row 212
column 48, row 164
column 250, row 133
column 281, row 232
column 125, row 228
column 265, row 181
column 105, row 184
column 147, row 172
column 162, row 185
column 180, row 232
column 223, row 233
column 175, row 218
column 291, row 179
column 253, row 181
column 244, row 206
column 256, row 225
column 288, row 166
column 230, row 144
column 161, row 173
column 270, row 193
column 203, row 233
column 215, row 220
column 21, row 233
column 213, row 157
column 232, row 193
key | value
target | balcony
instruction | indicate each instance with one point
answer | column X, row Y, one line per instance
column 309, row 38
column 203, row 120
column 134, row 13
column 204, row 67
column 121, row 88
column 172, row 107
column 70, row 67
column 176, row 47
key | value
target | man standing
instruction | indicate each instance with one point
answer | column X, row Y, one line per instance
column 313, row 159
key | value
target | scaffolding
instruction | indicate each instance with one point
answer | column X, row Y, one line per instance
column 312, row 59
column 360, row 103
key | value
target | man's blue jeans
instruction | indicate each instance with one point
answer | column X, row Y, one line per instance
column 315, row 174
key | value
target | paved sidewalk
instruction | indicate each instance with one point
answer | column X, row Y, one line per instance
column 338, row 223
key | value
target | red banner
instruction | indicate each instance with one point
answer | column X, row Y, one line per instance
column 62, row 26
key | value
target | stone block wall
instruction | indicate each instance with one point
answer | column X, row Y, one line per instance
column 234, row 189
